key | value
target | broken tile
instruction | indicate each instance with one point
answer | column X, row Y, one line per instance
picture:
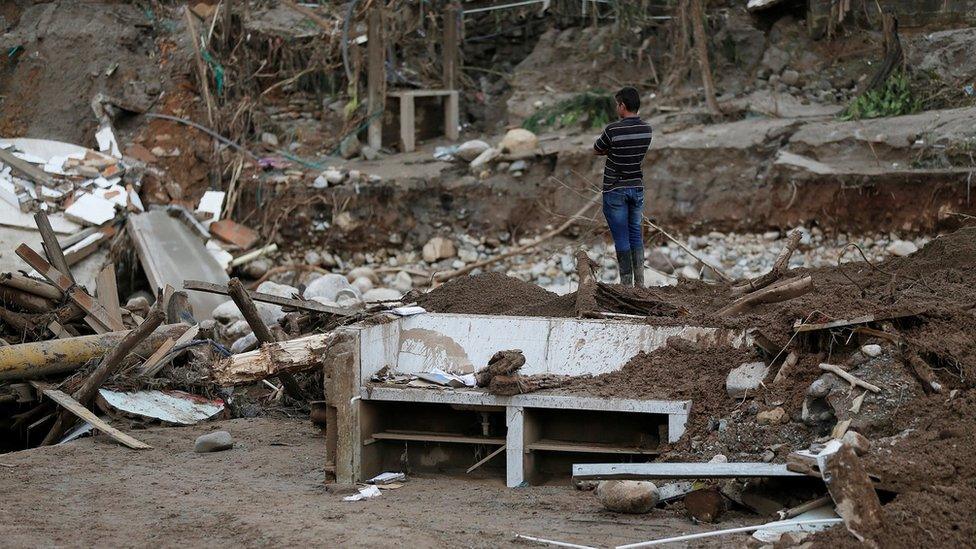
column 89, row 209
column 234, row 233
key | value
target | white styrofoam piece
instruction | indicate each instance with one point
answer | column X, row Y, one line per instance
column 90, row 209
column 171, row 406
column 107, row 142
column 211, row 202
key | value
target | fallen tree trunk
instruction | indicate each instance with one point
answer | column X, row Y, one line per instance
column 56, row 356
column 781, row 291
column 780, row 266
column 270, row 360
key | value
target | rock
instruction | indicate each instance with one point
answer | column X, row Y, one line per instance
column 775, row 59
column 689, row 272
column 659, row 261
column 328, row 260
column 369, row 153
column 269, row 139
column 381, row 294
column 213, row 442
column 138, row 305
column 705, row 505
column 901, row 248
column 519, row 142
column 469, row 150
column 237, row 330
column 468, row 255
column 627, row 496
column 244, row 344
column 745, row 378
column 329, row 287
column 484, row 158
column 257, row 268
column 719, row 458
column 333, row 175
column 320, row 182
column 227, row 313
column 313, row 258
column 871, row 350
column 403, row 282
column 790, row 77
column 438, row 248
column 349, row 147
column 271, row 314
column 518, row 166
column 363, row 284
column 345, row 222
column 775, row 416
column 858, row 442
column 360, row 272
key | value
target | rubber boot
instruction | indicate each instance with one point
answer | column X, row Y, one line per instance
column 626, row 268
column 637, row 261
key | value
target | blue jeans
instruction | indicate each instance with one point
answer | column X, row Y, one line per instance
column 624, row 210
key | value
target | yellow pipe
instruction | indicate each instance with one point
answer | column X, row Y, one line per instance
column 56, row 356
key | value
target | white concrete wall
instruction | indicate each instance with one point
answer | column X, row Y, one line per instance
column 464, row 343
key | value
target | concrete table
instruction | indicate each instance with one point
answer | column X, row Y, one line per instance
column 407, row 125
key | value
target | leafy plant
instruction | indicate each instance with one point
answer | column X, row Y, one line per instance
column 592, row 109
column 895, row 98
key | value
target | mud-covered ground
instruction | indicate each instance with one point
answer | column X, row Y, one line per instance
column 269, row 491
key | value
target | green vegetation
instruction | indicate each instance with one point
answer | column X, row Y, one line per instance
column 894, row 99
column 593, row 109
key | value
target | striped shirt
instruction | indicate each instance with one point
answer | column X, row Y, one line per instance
column 626, row 142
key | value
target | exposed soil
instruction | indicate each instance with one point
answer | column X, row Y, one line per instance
column 269, row 491
column 488, row 293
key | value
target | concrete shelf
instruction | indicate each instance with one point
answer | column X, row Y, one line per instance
column 433, row 437
column 591, row 448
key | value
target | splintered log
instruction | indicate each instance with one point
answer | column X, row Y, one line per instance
column 30, row 285
column 780, row 291
column 780, row 266
column 296, row 355
column 58, row 356
column 853, row 493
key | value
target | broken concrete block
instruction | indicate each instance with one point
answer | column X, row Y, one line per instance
column 213, row 442
column 438, row 248
column 775, row 416
column 627, row 496
column 89, row 209
column 745, row 378
column 210, row 204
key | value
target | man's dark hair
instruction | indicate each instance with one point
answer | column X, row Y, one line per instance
column 629, row 97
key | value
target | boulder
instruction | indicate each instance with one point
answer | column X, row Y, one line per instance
column 363, row 284
column 469, row 150
column 271, row 314
column 790, row 77
column 244, row 344
column 438, row 248
column 213, row 442
column 627, row 496
column 519, row 142
column 871, row 350
column 227, row 313
column 403, row 282
column 381, row 294
column 328, row 287
column 237, row 330
column 745, row 378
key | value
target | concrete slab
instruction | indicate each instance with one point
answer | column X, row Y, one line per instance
column 642, row 471
column 170, row 253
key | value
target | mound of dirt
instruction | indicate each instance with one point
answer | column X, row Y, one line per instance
column 489, row 293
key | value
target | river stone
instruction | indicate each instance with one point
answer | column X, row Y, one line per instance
column 627, row 496
column 213, row 442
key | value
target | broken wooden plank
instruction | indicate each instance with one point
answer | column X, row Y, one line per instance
column 800, row 326
column 484, row 460
column 158, row 359
column 85, row 414
column 30, row 285
column 52, row 248
column 642, row 471
column 83, row 248
column 780, row 266
column 107, row 291
column 26, row 169
column 291, row 356
column 779, row 291
column 301, row 304
column 98, row 318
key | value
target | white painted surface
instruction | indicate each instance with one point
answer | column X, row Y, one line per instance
column 172, row 406
column 514, row 446
column 90, row 210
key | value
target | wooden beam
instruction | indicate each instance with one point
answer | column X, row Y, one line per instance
column 451, row 23
column 295, row 355
column 85, row 414
column 107, row 291
column 301, row 304
column 157, row 360
column 98, row 318
column 51, row 245
column 375, row 75
column 26, row 169
column 779, row 291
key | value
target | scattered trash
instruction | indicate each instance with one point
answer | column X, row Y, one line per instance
column 366, row 492
column 387, row 478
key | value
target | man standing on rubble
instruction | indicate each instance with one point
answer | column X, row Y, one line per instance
column 624, row 143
